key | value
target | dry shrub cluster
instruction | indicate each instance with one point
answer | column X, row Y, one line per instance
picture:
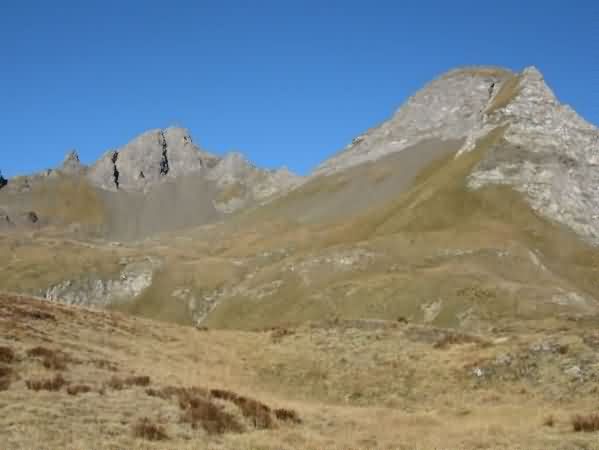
column 6, row 355
column 587, row 423
column 51, row 384
column 257, row 412
column 199, row 410
column 5, row 374
column 77, row 389
column 287, row 415
column 51, row 359
column 277, row 334
column 115, row 383
column 146, row 429
column 450, row 339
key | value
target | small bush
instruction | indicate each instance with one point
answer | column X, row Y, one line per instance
column 549, row 421
column 5, row 371
column 146, row 429
column 51, row 359
column 588, row 423
column 6, row 355
column 52, row 384
column 257, row 412
column 118, row 384
column 142, row 380
column 115, row 383
column 278, row 334
column 450, row 339
column 78, row 389
column 199, row 411
column 287, row 415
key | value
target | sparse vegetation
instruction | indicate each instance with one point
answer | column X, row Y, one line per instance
column 51, row 384
column 51, row 359
column 507, row 91
column 146, row 429
column 587, row 422
column 199, row 411
column 257, row 412
column 7, row 355
column 287, row 415
column 5, row 377
column 549, row 421
column 77, row 389
column 454, row 338
column 116, row 383
column 137, row 380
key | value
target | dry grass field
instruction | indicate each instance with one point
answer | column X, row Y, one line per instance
column 77, row 378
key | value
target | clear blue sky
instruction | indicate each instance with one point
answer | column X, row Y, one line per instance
column 286, row 82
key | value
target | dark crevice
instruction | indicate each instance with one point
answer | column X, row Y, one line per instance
column 164, row 162
column 491, row 89
column 115, row 170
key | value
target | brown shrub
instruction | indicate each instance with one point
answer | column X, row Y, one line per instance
column 78, row 389
column 104, row 364
column 4, row 384
column 256, row 411
column 588, row 423
column 287, row 415
column 52, row 384
column 51, row 359
column 146, row 429
column 118, row 384
column 6, row 355
column 456, row 339
column 137, row 380
column 5, row 371
column 115, row 383
column 549, row 421
column 199, row 411
column 277, row 334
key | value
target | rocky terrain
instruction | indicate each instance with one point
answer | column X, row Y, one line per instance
column 160, row 181
column 461, row 235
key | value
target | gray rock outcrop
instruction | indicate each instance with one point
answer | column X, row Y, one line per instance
column 550, row 154
column 72, row 164
column 157, row 156
column 448, row 108
column 97, row 292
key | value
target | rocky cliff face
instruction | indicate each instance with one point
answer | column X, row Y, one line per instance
column 166, row 155
column 448, row 108
column 551, row 156
column 152, row 157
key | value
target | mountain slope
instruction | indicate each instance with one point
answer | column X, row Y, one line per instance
column 160, row 181
column 78, row 378
column 460, row 211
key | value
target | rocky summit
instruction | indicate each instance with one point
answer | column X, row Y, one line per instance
column 551, row 154
column 435, row 278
